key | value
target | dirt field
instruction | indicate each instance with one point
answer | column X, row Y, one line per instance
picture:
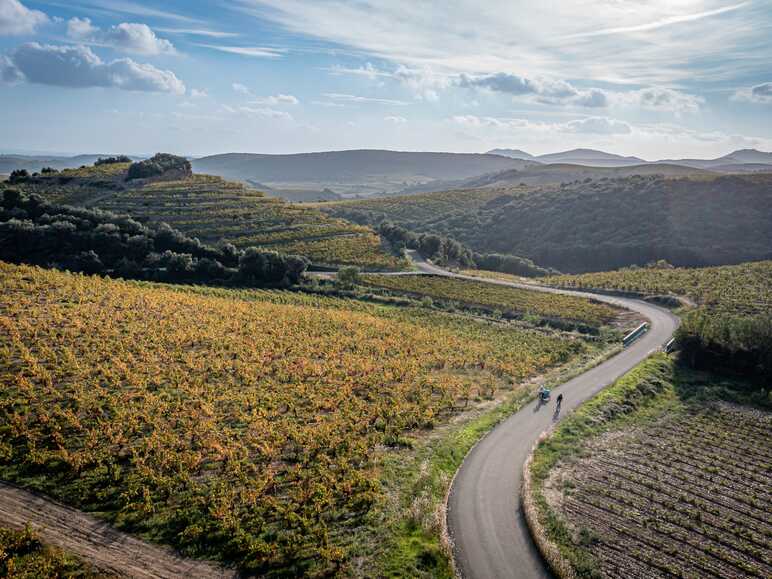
column 685, row 496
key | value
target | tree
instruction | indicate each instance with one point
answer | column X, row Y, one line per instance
column 252, row 264
column 88, row 262
column 296, row 267
column 158, row 165
column 11, row 198
column 347, row 277
column 18, row 176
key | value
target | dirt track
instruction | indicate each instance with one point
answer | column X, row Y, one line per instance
column 109, row 550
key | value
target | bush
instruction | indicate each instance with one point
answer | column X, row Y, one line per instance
column 112, row 160
column 36, row 232
column 18, row 176
column 347, row 277
column 160, row 164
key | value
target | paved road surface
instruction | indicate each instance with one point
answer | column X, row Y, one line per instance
column 489, row 533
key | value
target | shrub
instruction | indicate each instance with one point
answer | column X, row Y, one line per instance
column 18, row 176
column 112, row 160
column 160, row 164
column 347, row 277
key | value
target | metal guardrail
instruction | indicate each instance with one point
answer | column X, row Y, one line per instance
column 635, row 334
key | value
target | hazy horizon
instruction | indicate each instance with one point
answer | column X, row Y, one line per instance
column 657, row 80
column 42, row 153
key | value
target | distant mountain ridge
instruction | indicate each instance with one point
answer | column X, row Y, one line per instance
column 356, row 172
column 596, row 158
column 34, row 163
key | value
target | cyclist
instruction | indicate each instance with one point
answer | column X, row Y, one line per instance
column 559, row 400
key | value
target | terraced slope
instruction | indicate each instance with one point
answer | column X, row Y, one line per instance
column 215, row 210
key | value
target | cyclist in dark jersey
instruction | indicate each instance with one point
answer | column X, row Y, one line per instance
column 559, row 400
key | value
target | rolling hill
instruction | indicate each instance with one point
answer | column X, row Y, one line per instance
column 590, row 157
column 595, row 158
column 352, row 172
column 216, row 211
column 596, row 225
column 555, row 174
column 33, row 163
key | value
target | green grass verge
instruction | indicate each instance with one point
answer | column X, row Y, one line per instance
column 403, row 535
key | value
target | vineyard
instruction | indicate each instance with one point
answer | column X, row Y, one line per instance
column 216, row 210
column 499, row 297
column 22, row 555
column 235, row 425
column 730, row 330
column 744, row 289
column 413, row 208
column 664, row 487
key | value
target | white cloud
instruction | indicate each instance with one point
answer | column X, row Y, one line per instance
column 660, row 23
column 252, row 51
column 597, row 126
column 626, row 41
column 279, row 99
column 328, row 104
column 137, row 9
column 423, row 82
column 760, row 93
column 16, row 19
column 198, row 93
column 587, row 125
column 199, row 32
column 661, row 99
column 652, row 141
column 80, row 28
column 79, row 67
column 350, row 98
column 368, row 71
column 544, row 90
column 128, row 37
column 262, row 112
column 395, row 120
column 240, row 88
column 8, row 72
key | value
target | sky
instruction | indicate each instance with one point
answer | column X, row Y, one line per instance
column 656, row 79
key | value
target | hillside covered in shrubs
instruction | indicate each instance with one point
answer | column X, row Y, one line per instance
column 37, row 232
column 595, row 225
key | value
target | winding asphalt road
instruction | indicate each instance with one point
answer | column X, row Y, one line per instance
column 488, row 530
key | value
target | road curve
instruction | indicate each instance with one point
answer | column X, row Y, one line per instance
column 489, row 533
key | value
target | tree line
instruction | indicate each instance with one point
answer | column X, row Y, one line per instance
column 727, row 341
column 448, row 251
column 37, row 232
